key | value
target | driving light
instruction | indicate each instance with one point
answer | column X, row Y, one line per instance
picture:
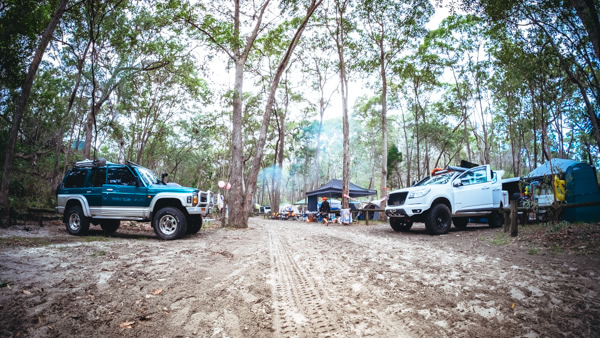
column 418, row 193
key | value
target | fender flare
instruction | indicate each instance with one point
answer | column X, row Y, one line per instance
column 83, row 202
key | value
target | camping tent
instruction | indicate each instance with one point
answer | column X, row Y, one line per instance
column 333, row 188
column 581, row 186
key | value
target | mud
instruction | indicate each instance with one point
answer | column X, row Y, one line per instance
column 292, row 279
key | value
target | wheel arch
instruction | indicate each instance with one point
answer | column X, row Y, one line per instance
column 442, row 200
column 78, row 201
column 168, row 202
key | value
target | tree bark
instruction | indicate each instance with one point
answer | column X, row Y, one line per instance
column 384, row 136
column 22, row 104
column 588, row 13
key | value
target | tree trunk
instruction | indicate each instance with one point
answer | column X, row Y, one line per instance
column 408, row 153
column 588, row 14
column 22, row 103
column 384, row 140
column 256, row 163
column 236, row 215
column 346, row 131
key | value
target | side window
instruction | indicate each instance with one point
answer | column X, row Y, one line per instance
column 121, row 176
column 98, row 177
column 75, row 178
column 474, row 177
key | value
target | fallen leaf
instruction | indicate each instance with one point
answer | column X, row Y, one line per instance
column 148, row 296
column 26, row 292
column 144, row 318
column 157, row 292
column 126, row 324
column 513, row 306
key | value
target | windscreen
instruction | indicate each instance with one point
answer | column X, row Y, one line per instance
column 438, row 179
column 148, row 176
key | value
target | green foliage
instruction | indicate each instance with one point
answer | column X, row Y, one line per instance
column 394, row 160
column 21, row 23
column 489, row 81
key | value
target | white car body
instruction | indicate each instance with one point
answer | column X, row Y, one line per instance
column 472, row 192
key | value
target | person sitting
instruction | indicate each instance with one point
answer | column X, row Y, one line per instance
column 324, row 210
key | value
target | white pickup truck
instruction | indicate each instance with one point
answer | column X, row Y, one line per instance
column 449, row 196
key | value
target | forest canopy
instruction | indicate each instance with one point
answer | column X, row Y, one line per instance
column 279, row 97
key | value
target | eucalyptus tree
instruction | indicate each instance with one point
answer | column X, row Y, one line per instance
column 339, row 27
column 302, row 22
column 127, row 40
column 222, row 32
column 417, row 77
column 366, row 125
column 272, row 46
column 316, row 58
column 44, row 39
column 570, row 28
column 390, row 27
column 152, row 102
column 73, row 34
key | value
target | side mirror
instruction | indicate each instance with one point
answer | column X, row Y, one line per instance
column 457, row 183
column 162, row 177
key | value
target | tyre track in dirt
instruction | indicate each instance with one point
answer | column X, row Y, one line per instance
column 293, row 279
column 297, row 298
column 382, row 283
column 309, row 297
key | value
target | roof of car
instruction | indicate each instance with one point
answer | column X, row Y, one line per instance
column 101, row 162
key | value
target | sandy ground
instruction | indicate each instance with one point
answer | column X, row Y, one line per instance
column 292, row 279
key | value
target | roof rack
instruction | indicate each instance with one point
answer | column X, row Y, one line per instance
column 91, row 163
column 457, row 169
column 132, row 163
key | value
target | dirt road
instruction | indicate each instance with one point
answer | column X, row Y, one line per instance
column 291, row 279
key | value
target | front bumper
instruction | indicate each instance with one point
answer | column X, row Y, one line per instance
column 199, row 210
column 406, row 210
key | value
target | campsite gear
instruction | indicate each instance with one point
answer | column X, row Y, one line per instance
column 334, row 189
column 345, row 216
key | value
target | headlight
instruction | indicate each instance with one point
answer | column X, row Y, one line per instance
column 418, row 193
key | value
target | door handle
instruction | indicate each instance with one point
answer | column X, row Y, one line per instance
column 486, row 188
column 109, row 189
column 88, row 192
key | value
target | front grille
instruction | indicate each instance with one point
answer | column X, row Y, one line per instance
column 203, row 197
column 397, row 198
column 395, row 212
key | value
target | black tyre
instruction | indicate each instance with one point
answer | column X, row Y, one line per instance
column 496, row 219
column 438, row 220
column 460, row 222
column 169, row 223
column 400, row 224
column 194, row 224
column 76, row 222
column 110, row 226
